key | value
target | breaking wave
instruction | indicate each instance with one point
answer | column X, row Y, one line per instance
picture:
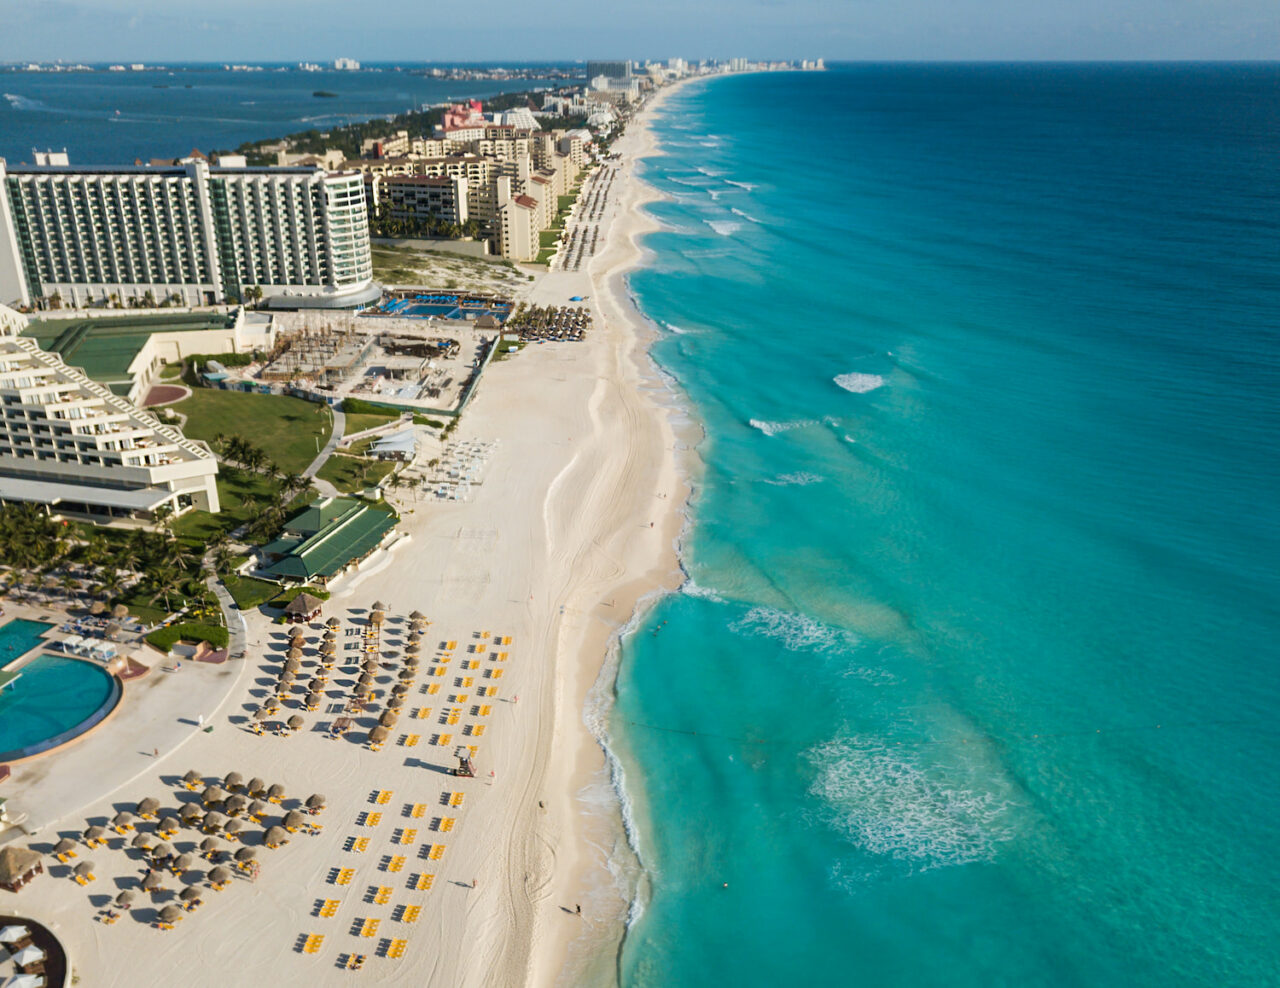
column 773, row 428
column 745, row 216
column 888, row 803
column 725, row 228
column 859, row 383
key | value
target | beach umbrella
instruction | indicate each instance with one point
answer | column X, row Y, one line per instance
column 168, row 824
column 271, row 705
column 144, row 841
column 162, row 850
column 365, row 680
column 209, row 845
column 370, row 666
column 258, row 808
column 236, row 804
column 315, row 802
column 125, row 899
column 256, row 787
column 377, row 617
column 328, row 648
column 122, row 819
column 219, row 875
column 395, row 703
column 148, row 807
column 333, row 622
column 413, row 648
column 193, row 778
column 191, row 814
column 247, row 853
column 213, row 794
column 388, row 718
column 378, row 605
column 296, row 722
column 189, row 894
column 97, row 607
column 293, row 820
column 416, row 616
column 64, row 845
column 313, row 700
column 293, row 663
column 233, row 781
column 261, row 714
column 378, row 734
column 411, row 662
column 184, row 862
column 232, row 828
column 275, row 836
column 170, row 914
column 297, row 638
column 294, row 653
column 287, row 678
column 95, row 833
column 399, row 689
column 316, row 685
column 275, row 793
column 214, row 819
column 151, row 881
column 119, row 612
column 406, row 675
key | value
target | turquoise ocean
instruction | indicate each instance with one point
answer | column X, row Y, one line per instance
column 974, row 681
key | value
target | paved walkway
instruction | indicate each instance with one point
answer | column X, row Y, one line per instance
column 339, row 427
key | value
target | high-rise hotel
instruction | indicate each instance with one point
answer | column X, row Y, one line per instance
column 191, row 233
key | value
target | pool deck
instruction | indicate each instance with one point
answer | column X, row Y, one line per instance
column 161, row 711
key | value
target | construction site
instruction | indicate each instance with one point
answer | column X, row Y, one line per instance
column 411, row 363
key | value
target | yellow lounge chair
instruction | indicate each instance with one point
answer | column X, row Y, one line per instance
column 410, row 914
column 396, row 950
column 369, row 927
column 436, row 852
column 396, row 863
column 418, row 810
column 423, row 883
column 382, row 895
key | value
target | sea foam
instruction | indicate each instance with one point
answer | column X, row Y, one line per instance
column 725, row 228
column 889, row 803
column 859, row 383
column 801, row 479
column 773, row 428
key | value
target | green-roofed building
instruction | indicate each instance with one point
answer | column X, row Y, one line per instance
column 325, row 540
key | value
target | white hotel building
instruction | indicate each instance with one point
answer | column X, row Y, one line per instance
column 70, row 443
column 193, row 233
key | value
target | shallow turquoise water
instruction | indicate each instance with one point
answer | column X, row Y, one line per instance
column 974, row 681
column 53, row 695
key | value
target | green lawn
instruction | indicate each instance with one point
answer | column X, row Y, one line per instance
column 548, row 238
column 544, row 256
column 288, row 429
column 170, row 372
column 242, row 494
column 359, row 421
column 249, row 593
column 344, row 472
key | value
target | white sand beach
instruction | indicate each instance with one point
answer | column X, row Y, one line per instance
column 575, row 521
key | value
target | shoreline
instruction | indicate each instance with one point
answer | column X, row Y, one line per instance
column 597, row 827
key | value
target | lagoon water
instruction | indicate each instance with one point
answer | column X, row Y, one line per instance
column 975, row 678
column 111, row 118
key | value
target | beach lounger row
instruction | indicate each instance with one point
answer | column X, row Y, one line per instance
column 407, row 836
column 369, row 927
column 423, row 883
column 330, row 908
column 313, row 942
column 396, row 863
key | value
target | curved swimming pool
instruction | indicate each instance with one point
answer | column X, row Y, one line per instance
column 53, row 700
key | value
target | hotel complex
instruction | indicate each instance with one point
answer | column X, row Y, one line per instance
column 188, row 233
column 70, row 443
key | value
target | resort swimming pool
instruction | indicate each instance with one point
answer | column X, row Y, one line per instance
column 19, row 637
column 52, row 700
column 444, row 307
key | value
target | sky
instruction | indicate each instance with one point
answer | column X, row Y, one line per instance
column 563, row 30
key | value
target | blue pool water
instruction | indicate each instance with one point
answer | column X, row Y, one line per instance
column 18, row 637
column 53, row 699
column 976, row 679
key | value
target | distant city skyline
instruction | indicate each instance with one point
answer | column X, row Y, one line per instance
column 322, row 30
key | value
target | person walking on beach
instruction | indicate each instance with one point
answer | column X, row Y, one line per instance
column 579, row 909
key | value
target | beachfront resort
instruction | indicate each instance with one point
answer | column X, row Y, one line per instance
column 280, row 550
